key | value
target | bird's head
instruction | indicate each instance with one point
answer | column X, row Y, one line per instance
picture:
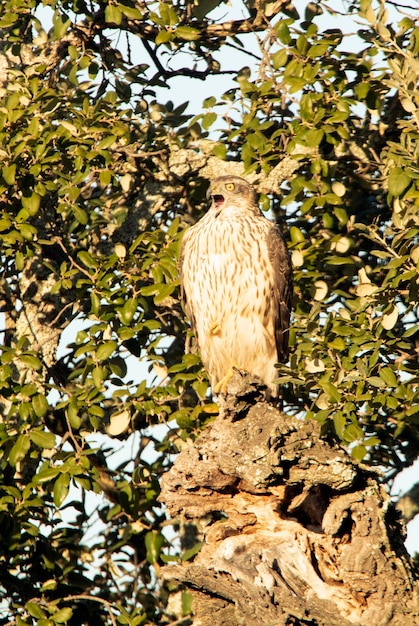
column 232, row 192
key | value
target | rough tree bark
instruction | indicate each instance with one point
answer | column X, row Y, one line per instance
column 296, row 531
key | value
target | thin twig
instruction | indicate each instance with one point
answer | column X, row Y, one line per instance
column 84, row 596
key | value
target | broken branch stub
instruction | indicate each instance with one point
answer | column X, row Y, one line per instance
column 294, row 530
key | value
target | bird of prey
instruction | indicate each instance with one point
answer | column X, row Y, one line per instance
column 236, row 285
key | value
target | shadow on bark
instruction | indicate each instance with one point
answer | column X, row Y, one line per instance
column 295, row 530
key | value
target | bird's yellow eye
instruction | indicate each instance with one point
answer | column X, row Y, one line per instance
column 230, row 186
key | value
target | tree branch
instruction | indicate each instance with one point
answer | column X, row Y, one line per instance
column 294, row 528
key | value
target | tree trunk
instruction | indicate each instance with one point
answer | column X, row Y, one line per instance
column 294, row 530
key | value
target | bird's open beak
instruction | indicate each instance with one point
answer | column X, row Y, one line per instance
column 218, row 201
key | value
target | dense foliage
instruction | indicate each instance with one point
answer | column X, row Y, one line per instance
column 100, row 174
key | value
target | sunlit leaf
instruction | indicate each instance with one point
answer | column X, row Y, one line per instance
column 119, row 423
column 43, row 439
column 31, row 361
column 113, row 14
column 19, row 449
column 61, row 489
column 40, row 404
column 35, row 610
column 388, row 376
column 63, row 615
column 105, row 350
column 9, row 173
column 187, row 33
column 398, row 181
column 389, row 319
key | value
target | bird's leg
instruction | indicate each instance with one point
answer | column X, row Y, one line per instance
column 221, row 386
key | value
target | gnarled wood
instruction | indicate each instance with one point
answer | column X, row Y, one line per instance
column 296, row 532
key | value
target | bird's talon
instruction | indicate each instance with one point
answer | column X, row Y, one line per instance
column 215, row 328
column 221, row 386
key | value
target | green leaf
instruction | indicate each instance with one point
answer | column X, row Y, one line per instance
column 257, row 141
column 280, row 58
column 398, row 181
column 27, row 231
column 352, row 433
column 73, row 413
column 60, row 25
column 80, row 215
column 35, row 610
column 339, row 260
column 118, row 366
column 128, row 311
column 376, row 381
column 388, row 376
column 8, row 19
column 168, row 14
column 9, row 173
column 337, row 344
column 313, row 138
column 331, row 390
column 87, row 259
column 187, row 33
column 153, row 542
column 106, row 143
column 209, row 102
column 359, row 452
column 98, row 376
column 5, row 224
column 40, row 404
column 163, row 37
column 163, row 292
column 317, row 50
column 20, row 260
column 113, row 14
column 191, row 552
column 220, row 151
column 339, row 422
column 131, row 12
column 105, row 177
column 201, row 387
column 32, row 203
column 297, row 236
column 187, row 601
column 201, row 8
column 183, row 418
column 105, row 350
column 43, row 439
column 208, row 120
column 61, row 489
column 283, row 32
column 46, row 474
column 63, row 615
column 31, row 361
column 19, row 449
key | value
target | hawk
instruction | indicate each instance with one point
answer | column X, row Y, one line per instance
column 236, row 285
